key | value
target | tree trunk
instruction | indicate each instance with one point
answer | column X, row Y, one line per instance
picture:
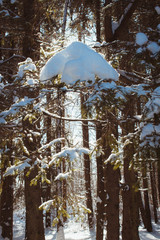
column 87, row 171
column 100, row 189
column 31, row 48
column 130, row 199
column 142, row 211
column 146, row 200
column 31, row 45
column 111, row 181
column 153, row 190
column 108, row 33
column 34, row 216
column 98, row 19
column 129, row 195
column 7, row 201
column 112, row 201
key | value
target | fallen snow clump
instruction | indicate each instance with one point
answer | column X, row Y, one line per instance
column 78, row 62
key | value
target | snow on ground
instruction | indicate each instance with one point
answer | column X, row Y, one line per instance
column 78, row 62
column 73, row 230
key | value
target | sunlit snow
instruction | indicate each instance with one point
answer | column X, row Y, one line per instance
column 25, row 66
column 78, row 62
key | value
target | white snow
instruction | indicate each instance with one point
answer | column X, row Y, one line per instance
column 25, row 66
column 97, row 44
column 1, row 1
column 46, row 205
column 157, row 8
column 1, row 77
column 19, row 167
column 60, row 234
column 153, row 47
column 115, row 25
column 73, row 230
column 158, row 26
column 62, row 176
column 31, row 81
column 57, row 140
column 141, row 39
column 71, row 154
column 16, row 107
column 139, row 50
column 78, row 62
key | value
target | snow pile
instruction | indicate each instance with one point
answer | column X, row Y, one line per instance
column 157, row 8
column 31, row 81
column 78, row 62
column 25, row 66
column 141, row 39
column 153, row 47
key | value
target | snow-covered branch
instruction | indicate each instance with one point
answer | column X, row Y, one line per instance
column 70, row 119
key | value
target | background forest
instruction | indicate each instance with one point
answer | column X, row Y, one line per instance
column 86, row 151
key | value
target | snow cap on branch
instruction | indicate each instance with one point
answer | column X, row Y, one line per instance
column 78, row 62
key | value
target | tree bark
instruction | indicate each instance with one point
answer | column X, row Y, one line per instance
column 98, row 19
column 7, row 201
column 111, row 181
column 112, row 201
column 100, row 190
column 108, row 33
column 130, row 197
column 146, row 200
column 34, row 216
column 87, row 171
column 31, row 45
column 153, row 190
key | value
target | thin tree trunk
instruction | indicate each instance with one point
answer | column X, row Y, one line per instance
column 100, row 190
column 7, row 201
column 87, row 171
column 142, row 211
column 146, row 200
column 108, row 33
column 153, row 190
column 158, row 172
column 111, row 181
column 65, row 17
column 98, row 19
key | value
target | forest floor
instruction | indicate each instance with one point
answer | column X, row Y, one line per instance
column 73, row 230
